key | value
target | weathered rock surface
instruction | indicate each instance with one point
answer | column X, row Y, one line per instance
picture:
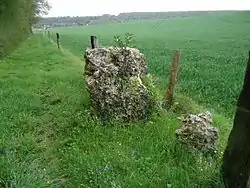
column 198, row 132
column 113, row 78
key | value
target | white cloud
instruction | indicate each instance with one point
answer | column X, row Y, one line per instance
column 99, row 7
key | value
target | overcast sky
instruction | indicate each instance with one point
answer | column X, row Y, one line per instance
column 99, row 7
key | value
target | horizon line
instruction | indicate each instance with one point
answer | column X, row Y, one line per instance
column 171, row 11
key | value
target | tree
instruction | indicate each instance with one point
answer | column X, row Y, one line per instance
column 236, row 159
column 40, row 8
column 15, row 16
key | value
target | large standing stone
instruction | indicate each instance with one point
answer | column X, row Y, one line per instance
column 113, row 78
column 198, row 132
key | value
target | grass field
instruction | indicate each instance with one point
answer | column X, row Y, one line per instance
column 214, row 52
column 48, row 137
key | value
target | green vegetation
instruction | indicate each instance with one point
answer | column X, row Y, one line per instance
column 14, row 23
column 16, row 19
column 127, row 42
column 68, row 21
column 49, row 136
column 214, row 51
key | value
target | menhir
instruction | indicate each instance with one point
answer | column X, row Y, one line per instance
column 113, row 78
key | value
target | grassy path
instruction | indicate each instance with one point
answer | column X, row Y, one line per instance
column 35, row 93
column 48, row 137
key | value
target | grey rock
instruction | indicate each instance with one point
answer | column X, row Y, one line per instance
column 113, row 78
column 198, row 132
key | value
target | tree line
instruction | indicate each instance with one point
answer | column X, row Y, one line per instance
column 67, row 21
column 16, row 20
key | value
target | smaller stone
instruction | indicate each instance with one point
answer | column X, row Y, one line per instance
column 198, row 132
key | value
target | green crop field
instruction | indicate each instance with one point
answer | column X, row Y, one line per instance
column 214, row 52
column 50, row 138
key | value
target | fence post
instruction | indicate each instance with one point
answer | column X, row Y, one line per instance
column 173, row 78
column 235, row 165
column 58, row 40
column 94, row 42
column 49, row 36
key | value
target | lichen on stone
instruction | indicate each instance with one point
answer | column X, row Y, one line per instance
column 113, row 78
column 198, row 132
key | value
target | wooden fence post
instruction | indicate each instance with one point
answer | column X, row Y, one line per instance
column 235, row 168
column 94, row 42
column 49, row 36
column 58, row 40
column 173, row 78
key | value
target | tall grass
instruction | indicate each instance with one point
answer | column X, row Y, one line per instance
column 49, row 138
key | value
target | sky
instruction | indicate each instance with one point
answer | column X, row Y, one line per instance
column 99, row 7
